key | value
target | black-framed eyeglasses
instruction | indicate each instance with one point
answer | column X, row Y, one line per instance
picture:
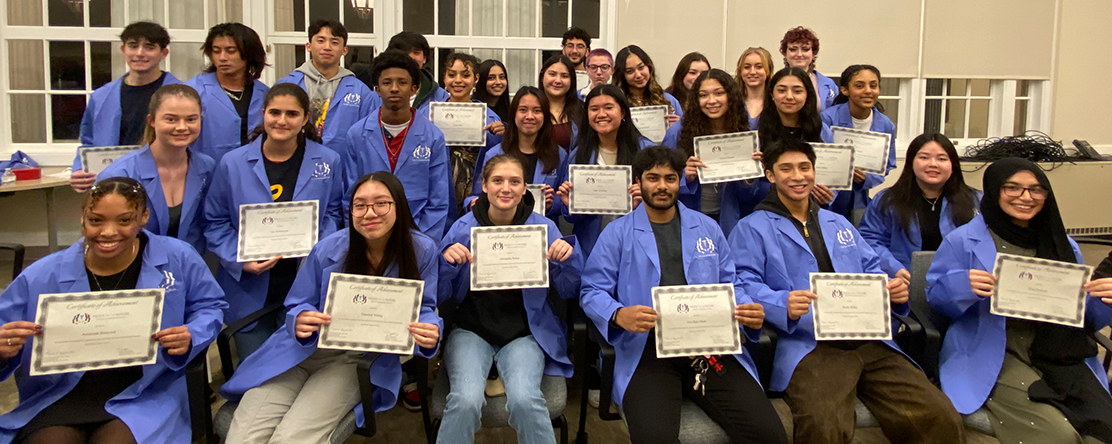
column 1015, row 190
column 571, row 45
column 380, row 208
column 599, row 67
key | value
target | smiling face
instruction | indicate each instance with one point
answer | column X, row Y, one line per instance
column 799, row 55
column 863, row 90
column 793, row 174
column 1022, row 197
column 753, row 71
column 529, row 116
column 111, row 226
column 496, row 81
column 283, row 119
column 575, row 49
column 660, row 187
column 557, row 80
column 142, row 55
column 226, row 56
column 369, row 223
column 789, row 94
column 505, row 186
column 395, row 87
column 604, row 114
column 177, row 123
column 459, row 80
column 713, row 99
column 697, row 67
column 326, row 49
column 932, row 166
column 637, row 73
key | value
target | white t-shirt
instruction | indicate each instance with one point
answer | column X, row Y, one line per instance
column 863, row 124
column 394, row 130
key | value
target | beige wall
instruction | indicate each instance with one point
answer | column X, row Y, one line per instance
column 669, row 29
column 1084, row 72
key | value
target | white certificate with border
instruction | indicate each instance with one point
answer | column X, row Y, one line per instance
column 538, row 197
column 1040, row 289
column 463, row 124
column 729, row 157
column 650, row 121
column 287, row 229
column 600, row 189
column 870, row 148
column 97, row 158
column 370, row 313
column 696, row 320
column 96, row 330
column 851, row 306
column 582, row 80
column 509, row 257
column 834, row 165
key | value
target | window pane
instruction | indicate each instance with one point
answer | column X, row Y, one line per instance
column 324, row 9
column 954, row 123
column 359, row 58
column 585, row 14
column 66, row 111
column 955, row 87
column 101, row 55
column 24, row 12
column 932, row 116
column 183, row 14
column 978, row 118
column 1020, row 125
column 100, row 14
column 150, row 11
column 980, row 87
column 186, row 60
column 67, row 65
column 223, row 11
column 487, row 17
column 522, row 19
column 417, row 16
column 891, row 109
column 29, row 118
column 289, row 15
column 287, row 58
column 890, row 87
column 935, row 87
column 29, row 73
column 359, row 19
column 522, row 66
column 453, row 17
column 119, row 63
column 487, row 54
column 1021, row 88
column 65, row 14
column 554, row 18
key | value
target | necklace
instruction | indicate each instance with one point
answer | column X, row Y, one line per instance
column 96, row 279
column 230, row 96
column 932, row 202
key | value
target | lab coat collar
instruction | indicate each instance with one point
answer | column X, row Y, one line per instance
column 984, row 249
column 72, row 277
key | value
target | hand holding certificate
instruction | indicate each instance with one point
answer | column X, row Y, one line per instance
column 834, row 165
column 851, row 306
column 97, row 158
column 370, row 313
column 463, row 124
column 509, row 257
column 96, row 330
column 650, row 121
column 870, row 149
column 695, row 320
column 1040, row 289
column 599, row 189
column 287, row 229
column 728, row 157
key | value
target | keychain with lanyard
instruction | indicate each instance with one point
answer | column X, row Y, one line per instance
column 701, row 364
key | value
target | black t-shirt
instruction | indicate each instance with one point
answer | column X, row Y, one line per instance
column 242, row 105
column 530, row 167
column 283, row 179
column 929, row 219
column 175, row 221
column 669, row 247
column 135, row 101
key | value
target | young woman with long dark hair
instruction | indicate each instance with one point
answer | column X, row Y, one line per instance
column 557, row 80
column 790, row 112
column 635, row 74
column 689, row 68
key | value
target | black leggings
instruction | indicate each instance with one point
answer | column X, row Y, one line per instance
column 111, row 432
column 733, row 399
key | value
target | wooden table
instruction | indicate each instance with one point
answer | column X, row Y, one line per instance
column 47, row 184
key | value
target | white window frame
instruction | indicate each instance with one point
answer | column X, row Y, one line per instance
column 1002, row 101
column 266, row 9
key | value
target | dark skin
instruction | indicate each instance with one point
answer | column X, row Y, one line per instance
column 395, row 87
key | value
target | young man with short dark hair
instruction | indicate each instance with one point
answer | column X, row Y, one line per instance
column 417, row 47
column 575, row 44
column 775, row 250
column 117, row 112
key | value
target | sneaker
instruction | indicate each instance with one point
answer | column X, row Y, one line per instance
column 411, row 399
column 593, row 397
column 495, row 388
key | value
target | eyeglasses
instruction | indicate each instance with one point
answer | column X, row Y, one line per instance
column 575, row 46
column 599, row 67
column 1037, row 192
column 380, row 208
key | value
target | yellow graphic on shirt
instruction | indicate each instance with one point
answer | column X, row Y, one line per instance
column 276, row 191
column 320, row 120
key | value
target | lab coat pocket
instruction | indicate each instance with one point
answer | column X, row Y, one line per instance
column 703, row 270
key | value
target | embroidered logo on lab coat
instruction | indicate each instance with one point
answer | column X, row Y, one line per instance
column 352, row 99
column 168, row 282
column 846, row 238
column 422, row 153
column 705, row 246
column 323, row 171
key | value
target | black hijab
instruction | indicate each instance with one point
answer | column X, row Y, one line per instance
column 1045, row 233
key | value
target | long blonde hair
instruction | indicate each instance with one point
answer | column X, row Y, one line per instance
column 766, row 60
column 176, row 89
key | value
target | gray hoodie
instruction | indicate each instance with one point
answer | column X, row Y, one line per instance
column 319, row 88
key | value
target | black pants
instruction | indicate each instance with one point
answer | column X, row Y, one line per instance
column 733, row 399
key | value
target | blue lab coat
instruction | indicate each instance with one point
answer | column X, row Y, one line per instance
column 587, row 227
column 100, row 124
column 220, row 123
column 838, row 115
column 352, row 101
column 881, row 229
column 553, row 179
column 828, row 90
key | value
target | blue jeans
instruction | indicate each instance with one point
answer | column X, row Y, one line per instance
column 521, row 365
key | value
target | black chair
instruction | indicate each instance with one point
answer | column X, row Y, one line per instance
column 347, row 425
column 18, row 252
column 200, row 398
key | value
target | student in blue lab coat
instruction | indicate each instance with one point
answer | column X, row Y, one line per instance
column 292, row 391
column 714, row 107
column 790, row 112
column 175, row 176
column 609, row 138
column 529, row 138
column 417, row 47
column 754, row 71
column 459, row 77
column 800, row 48
column 683, row 80
column 1040, row 382
column 397, row 139
column 857, row 106
column 231, row 92
column 493, row 88
column 117, row 112
column 927, row 202
column 284, row 162
column 338, row 98
column 517, row 330
column 775, row 250
column 635, row 74
column 557, row 80
column 143, row 404
column 663, row 243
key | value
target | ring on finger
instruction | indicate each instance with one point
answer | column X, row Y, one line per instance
column 9, row 341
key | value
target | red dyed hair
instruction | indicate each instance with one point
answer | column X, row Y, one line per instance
column 800, row 34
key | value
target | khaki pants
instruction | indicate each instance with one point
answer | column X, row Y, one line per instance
column 302, row 405
column 1016, row 419
column 908, row 407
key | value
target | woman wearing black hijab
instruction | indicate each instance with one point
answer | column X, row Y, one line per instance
column 1040, row 382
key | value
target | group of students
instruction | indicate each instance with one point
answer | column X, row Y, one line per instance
column 397, row 201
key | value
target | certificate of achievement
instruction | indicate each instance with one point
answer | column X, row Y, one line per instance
column 650, row 121
column 96, row 330
column 509, row 257
column 834, row 165
column 870, row 149
column 287, row 229
column 696, row 320
column 96, row 158
column 1040, row 289
column 851, row 306
column 600, row 189
column 370, row 313
column 538, row 198
column 728, row 157
column 462, row 123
